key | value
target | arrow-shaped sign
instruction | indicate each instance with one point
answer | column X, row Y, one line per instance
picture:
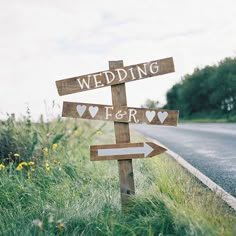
column 124, row 151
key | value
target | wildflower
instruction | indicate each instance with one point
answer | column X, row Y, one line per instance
column 21, row 186
column 38, row 223
column 32, row 169
column 30, row 163
column 2, row 167
column 45, row 152
column 16, row 155
column 99, row 132
column 50, row 218
column 47, row 167
column 54, row 146
column 21, row 165
column 24, row 163
column 60, row 225
column 29, row 175
column 56, row 162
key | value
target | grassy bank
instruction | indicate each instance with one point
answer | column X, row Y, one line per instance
column 48, row 186
column 207, row 120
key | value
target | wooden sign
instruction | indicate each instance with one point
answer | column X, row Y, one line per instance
column 120, row 114
column 115, row 76
column 124, row 151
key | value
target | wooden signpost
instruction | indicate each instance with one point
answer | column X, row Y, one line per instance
column 123, row 150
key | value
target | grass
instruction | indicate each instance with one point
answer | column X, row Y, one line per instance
column 206, row 120
column 64, row 193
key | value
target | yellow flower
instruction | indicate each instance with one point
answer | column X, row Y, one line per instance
column 2, row 167
column 30, row 163
column 99, row 132
column 45, row 152
column 19, row 167
column 47, row 166
column 60, row 225
column 16, row 155
column 54, row 146
column 24, row 163
column 32, row 169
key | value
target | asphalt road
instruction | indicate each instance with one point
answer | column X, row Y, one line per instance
column 211, row 148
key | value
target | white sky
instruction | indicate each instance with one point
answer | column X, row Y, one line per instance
column 44, row 41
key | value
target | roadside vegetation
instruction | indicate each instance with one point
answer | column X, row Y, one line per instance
column 206, row 94
column 48, row 186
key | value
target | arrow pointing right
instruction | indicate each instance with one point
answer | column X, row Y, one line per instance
column 124, row 151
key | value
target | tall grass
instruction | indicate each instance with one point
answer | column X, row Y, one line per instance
column 64, row 193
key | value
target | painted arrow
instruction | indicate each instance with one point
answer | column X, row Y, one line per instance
column 124, row 151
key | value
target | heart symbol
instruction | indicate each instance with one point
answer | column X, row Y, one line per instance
column 93, row 111
column 162, row 116
column 150, row 115
column 81, row 109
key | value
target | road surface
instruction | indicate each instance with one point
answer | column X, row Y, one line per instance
column 211, row 148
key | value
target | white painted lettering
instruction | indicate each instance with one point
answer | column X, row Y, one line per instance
column 142, row 72
column 132, row 114
column 98, row 83
column 111, row 79
column 154, row 68
column 107, row 112
column 119, row 115
column 132, row 73
column 84, row 84
column 121, row 78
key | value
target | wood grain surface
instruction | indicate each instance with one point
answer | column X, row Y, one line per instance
column 120, row 114
column 115, row 75
column 122, row 135
column 125, row 151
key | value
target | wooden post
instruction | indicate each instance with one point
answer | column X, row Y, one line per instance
column 123, row 153
column 122, row 135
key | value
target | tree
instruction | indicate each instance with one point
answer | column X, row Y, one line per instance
column 151, row 104
column 210, row 91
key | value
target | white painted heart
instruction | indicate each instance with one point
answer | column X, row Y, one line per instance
column 150, row 115
column 81, row 109
column 162, row 116
column 93, row 111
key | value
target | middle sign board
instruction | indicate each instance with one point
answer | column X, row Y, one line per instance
column 120, row 114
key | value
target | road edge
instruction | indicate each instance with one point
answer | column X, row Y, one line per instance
column 228, row 198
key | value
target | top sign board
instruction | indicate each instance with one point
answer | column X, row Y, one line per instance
column 116, row 76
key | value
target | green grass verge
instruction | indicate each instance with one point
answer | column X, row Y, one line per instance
column 209, row 120
column 67, row 194
column 206, row 121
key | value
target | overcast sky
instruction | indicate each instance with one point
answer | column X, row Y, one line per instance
column 44, row 41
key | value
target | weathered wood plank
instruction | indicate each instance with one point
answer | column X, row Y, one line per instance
column 120, row 114
column 115, row 75
column 124, row 151
column 122, row 135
